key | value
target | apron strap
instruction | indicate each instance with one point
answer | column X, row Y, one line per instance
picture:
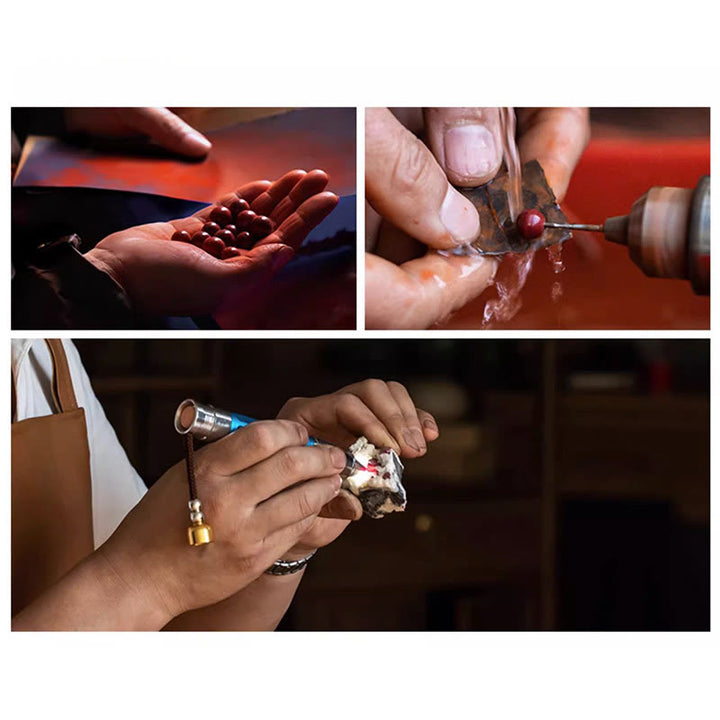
column 62, row 386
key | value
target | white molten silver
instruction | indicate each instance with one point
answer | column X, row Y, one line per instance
column 376, row 479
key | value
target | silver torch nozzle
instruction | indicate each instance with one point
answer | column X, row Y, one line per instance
column 202, row 421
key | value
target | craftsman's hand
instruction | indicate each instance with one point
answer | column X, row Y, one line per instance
column 158, row 124
column 413, row 207
column 408, row 285
column 467, row 142
column 165, row 277
column 381, row 411
column 261, row 489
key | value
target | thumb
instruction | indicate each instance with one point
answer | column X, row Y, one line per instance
column 404, row 183
column 344, row 506
column 466, row 143
column 170, row 131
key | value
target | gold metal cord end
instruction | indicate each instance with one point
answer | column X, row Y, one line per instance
column 200, row 534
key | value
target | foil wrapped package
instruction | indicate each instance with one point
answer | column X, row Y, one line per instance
column 376, row 479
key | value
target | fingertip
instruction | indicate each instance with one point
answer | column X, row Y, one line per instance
column 460, row 219
column 430, row 431
column 196, row 144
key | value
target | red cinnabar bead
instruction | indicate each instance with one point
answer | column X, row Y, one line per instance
column 244, row 219
column 261, row 226
column 181, row 236
column 221, row 215
column 530, row 224
column 230, row 252
column 244, row 240
column 199, row 238
column 214, row 246
column 211, row 227
column 237, row 205
column 226, row 236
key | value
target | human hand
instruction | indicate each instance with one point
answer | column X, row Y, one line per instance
column 261, row 489
column 381, row 411
column 158, row 124
column 467, row 142
column 407, row 285
column 164, row 277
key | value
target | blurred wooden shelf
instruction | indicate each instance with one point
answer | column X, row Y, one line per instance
column 149, row 383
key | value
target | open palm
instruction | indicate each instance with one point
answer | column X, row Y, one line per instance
column 164, row 277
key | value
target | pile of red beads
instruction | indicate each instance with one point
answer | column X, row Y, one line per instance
column 229, row 230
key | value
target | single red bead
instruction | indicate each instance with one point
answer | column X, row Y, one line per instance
column 181, row 236
column 232, row 228
column 211, row 227
column 231, row 252
column 221, row 215
column 244, row 240
column 244, row 219
column 531, row 224
column 237, row 205
column 261, row 226
column 199, row 238
column 226, row 236
column 214, row 246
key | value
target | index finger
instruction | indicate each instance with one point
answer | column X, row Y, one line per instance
column 249, row 446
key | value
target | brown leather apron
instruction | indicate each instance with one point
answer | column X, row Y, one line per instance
column 51, row 490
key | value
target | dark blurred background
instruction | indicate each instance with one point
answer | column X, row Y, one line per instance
column 569, row 488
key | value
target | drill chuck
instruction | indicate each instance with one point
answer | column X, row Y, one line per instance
column 667, row 233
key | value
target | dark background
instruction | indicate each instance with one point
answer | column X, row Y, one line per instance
column 569, row 488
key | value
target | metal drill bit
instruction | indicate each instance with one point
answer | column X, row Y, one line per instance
column 576, row 226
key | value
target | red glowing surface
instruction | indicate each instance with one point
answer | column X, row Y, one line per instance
column 242, row 152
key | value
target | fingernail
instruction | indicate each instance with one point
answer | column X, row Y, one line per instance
column 337, row 483
column 470, row 151
column 411, row 438
column 430, row 425
column 459, row 217
column 338, row 458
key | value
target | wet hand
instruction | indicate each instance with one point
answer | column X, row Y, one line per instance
column 408, row 285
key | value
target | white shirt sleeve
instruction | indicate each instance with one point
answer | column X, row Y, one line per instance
column 116, row 486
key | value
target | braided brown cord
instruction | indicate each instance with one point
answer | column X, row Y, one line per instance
column 190, row 464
